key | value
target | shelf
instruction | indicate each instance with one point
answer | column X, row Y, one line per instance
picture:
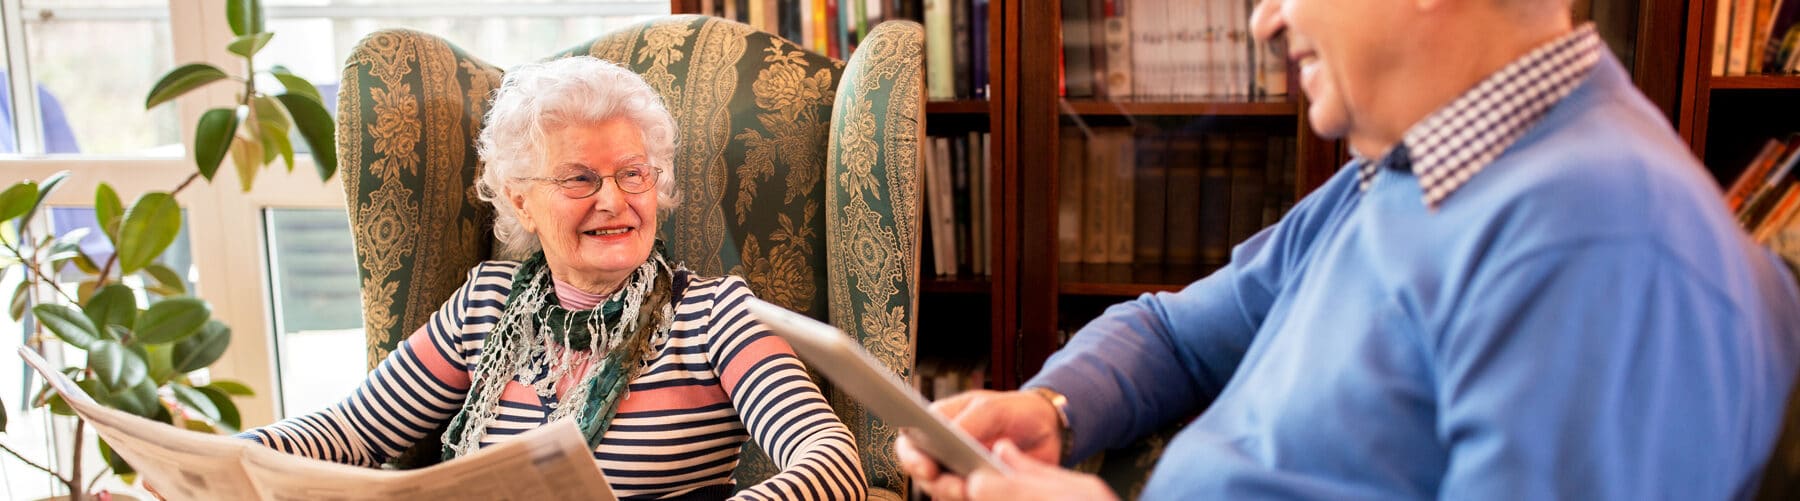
column 1127, row 279
column 955, row 285
column 1755, row 82
column 1273, row 107
column 959, row 107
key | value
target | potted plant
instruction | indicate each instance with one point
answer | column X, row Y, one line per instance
column 143, row 334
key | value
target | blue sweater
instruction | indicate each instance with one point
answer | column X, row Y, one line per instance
column 1582, row 320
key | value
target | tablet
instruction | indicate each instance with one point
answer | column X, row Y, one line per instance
column 842, row 360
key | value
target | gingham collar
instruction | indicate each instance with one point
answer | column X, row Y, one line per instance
column 1452, row 144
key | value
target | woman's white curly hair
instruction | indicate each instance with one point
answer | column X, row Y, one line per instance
column 539, row 98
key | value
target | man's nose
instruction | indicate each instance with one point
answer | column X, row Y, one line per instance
column 1267, row 22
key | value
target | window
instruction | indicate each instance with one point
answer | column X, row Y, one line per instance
column 274, row 263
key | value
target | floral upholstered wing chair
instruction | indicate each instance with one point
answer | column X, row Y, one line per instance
column 784, row 158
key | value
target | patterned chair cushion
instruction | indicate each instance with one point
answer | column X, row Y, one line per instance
column 759, row 120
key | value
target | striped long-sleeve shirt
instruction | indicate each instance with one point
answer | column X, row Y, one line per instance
column 677, row 433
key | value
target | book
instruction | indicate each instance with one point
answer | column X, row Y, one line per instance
column 1099, row 200
column 1182, row 212
column 1077, row 49
column 1753, row 174
column 1249, row 164
column 1122, row 165
column 1152, row 178
column 550, row 462
column 1118, row 49
column 1071, row 155
column 1215, row 200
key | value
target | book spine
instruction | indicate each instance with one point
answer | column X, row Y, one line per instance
column 1151, row 202
column 1118, row 50
column 940, row 51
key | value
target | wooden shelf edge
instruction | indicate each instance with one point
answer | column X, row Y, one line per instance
column 957, row 107
column 1127, row 279
column 1755, row 82
column 1107, row 289
column 1268, row 108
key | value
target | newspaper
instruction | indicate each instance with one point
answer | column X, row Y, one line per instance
column 551, row 462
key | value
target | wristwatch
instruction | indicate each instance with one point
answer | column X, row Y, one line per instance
column 1065, row 434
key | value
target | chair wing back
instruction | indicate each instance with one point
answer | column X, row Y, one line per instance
column 873, row 215
column 777, row 167
column 409, row 109
column 753, row 112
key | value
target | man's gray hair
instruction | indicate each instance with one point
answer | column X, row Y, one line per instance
column 539, row 98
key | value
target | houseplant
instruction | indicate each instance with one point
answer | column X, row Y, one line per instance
column 143, row 335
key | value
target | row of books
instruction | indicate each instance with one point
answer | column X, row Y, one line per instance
column 957, row 208
column 1167, row 49
column 1756, row 37
column 955, row 32
column 1147, row 197
column 937, row 379
column 1766, row 197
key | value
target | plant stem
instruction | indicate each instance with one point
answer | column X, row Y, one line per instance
column 33, row 464
column 32, row 267
column 96, row 480
column 75, row 492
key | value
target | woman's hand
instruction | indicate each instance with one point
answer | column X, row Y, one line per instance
column 1034, row 479
column 1020, row 418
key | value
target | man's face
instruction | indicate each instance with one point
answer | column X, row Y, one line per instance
column 1344, row 49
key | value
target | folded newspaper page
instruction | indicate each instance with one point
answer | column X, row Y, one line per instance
column 551, row 462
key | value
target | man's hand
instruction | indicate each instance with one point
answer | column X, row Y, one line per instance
column 1033, row 479
column 1021, row 418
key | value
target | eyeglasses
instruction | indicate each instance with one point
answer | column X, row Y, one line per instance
column 632, row 179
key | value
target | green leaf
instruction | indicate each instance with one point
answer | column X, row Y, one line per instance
column 17, row 199
column 167, row 277
column 181, row 80
column 275, row 143
column 86, row 264
column 45, row 189
column 230, row 387
column 212, row 136
column 115, row 461
column 140, row 400
column 58, row 406
column 245, row 16
column 116, row 366
column 228, row 410
column 270, row 115
column 160, row 358
column 295, row 84
column 19, row 300
column 150, row 225
column 195, row 400
column 86, row 289
column 201, row 349
column 107, row 209
column 249, row 45
column 316, row 128
column 172, row 319
column 247, row 156
column 69, row 325
column 112, row 305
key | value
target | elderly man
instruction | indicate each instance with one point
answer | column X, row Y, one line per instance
column 1524, row 287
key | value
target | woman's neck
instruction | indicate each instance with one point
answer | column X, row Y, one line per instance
column 573, row 298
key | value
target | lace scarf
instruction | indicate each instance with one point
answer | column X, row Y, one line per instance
column 536, row 328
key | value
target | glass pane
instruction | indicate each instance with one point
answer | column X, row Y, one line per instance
column 502, row 40
column 93, row 67
column 318, row 307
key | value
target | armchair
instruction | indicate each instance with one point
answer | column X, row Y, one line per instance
column 784, row 158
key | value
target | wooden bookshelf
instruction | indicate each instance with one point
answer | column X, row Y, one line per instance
column 1276, row 107
column 1030, row 296
column 957, row 107
column 1769, row 82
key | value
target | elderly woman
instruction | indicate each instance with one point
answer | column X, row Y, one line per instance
column 662, row 369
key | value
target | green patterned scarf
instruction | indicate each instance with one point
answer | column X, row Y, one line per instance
column 535, row 328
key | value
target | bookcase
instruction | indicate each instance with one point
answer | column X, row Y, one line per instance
column 1725, row 119
column 1239, row 159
